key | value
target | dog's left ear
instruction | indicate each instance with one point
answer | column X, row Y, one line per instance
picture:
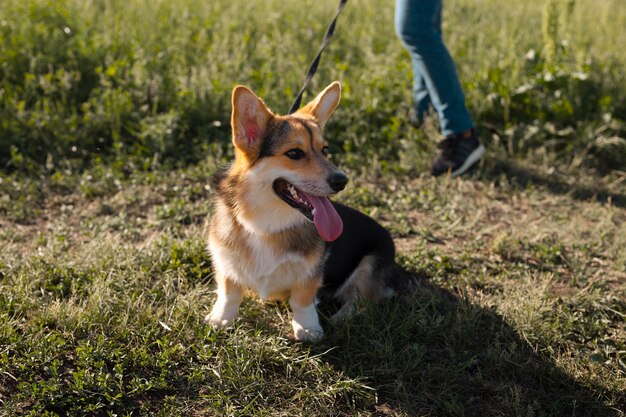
column 323, row 106
column 248, row 120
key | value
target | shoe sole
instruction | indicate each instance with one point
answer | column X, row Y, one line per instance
column 469, row 161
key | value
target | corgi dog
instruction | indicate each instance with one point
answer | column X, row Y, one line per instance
column 274, row 230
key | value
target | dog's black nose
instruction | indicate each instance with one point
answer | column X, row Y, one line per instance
column 337, row 181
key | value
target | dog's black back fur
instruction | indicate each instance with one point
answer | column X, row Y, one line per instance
column 362, row 236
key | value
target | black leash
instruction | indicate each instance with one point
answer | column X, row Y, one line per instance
column 313, row 68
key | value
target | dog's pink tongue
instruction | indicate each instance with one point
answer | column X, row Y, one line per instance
column 326, row 218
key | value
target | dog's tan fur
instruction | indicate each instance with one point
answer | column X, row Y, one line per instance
column 256, row 240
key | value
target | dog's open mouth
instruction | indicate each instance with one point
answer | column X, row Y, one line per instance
column 318, row 209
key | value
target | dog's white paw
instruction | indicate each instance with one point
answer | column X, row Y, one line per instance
column 218, row 321
column 306, row 323
column 307, row 334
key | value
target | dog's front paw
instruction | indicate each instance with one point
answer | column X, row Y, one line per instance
column 306, row 323
column 307, row 334
column 224, row 311
column 219, row 321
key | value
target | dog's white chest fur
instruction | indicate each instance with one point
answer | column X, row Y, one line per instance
column 262, row 268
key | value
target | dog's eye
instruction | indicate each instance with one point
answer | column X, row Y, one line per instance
column 295, row 154
column 325, row 151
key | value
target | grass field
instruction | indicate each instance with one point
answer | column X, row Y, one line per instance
column 114, row 115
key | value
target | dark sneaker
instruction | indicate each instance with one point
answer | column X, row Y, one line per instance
column 457, row 154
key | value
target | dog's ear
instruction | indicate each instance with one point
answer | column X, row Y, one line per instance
column 323, row 106
column 249, row 120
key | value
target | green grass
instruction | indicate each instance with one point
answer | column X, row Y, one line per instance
column 141, row 85
column 114, row 115
column 518, row 309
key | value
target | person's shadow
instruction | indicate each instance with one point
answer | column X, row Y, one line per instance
column 523, row 176
column 429, row 352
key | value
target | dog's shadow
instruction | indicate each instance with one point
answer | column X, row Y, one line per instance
column 430, row 352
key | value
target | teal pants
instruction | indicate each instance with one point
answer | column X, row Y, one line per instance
column 435, row 79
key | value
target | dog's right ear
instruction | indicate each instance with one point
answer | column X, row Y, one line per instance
column 249, row 120
column 323, row 106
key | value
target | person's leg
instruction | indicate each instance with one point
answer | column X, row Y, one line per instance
column 421, row 96
column 418, row 24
